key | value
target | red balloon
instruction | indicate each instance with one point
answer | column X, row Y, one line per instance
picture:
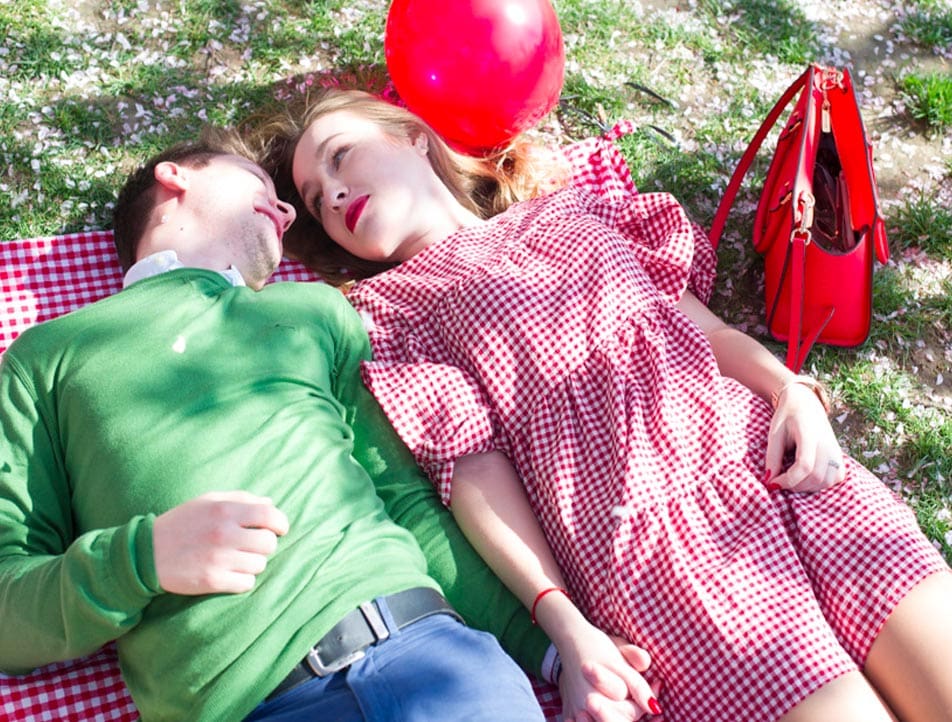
column 479, row 72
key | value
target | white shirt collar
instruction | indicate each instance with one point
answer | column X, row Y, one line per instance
column 163, row 261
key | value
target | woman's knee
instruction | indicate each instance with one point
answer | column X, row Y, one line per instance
column 910, row 659
column 848, row 698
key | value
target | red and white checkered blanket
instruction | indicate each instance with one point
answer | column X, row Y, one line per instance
column 42, row 278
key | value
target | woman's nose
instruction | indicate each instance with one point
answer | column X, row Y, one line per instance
column 336, row 196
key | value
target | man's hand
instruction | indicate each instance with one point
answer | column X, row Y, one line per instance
column 216, row 543
column 602, row 679
column 612, row 704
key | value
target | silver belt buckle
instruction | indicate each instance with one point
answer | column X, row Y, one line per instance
column 323, row 670
column 377, row 626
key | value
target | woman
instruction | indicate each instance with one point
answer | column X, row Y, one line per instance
column 689, row 487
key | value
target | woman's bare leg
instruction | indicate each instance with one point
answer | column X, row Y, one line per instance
column 910, row 663
column 848, row 698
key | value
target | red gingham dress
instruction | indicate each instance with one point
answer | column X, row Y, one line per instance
column 550, row 333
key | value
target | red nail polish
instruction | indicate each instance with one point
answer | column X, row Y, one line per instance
column 767, row 477
column 654, row 706
column 773, row 487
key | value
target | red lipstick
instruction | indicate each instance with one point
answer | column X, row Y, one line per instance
column 353, row 212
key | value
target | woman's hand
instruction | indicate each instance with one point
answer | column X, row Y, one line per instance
column 800, row 425
column 799, row 422
column 601, row 679
column 613, row 701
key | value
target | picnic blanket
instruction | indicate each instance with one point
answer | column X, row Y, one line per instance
column 42, row 278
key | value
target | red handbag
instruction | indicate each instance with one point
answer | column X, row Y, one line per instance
column 818, row 222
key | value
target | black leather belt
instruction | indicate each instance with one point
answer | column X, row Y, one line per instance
column 359, row 629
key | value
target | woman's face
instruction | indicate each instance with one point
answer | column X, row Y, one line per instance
column 372, row 192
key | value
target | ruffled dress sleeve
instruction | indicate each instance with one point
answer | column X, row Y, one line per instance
column 666, row 241
column 449, row 385
column 438, row 410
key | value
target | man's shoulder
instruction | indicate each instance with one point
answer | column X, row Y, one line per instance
column 310, row 292
column 54, row 336
column 118, row 313
column 317, row 288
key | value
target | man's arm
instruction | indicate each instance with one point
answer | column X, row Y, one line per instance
column 467, row 581
column 61, row 596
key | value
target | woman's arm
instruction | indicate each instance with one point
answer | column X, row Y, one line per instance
column 491, row 507
column 800, row 418
column 412, row 502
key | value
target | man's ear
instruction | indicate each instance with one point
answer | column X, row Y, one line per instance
column 171, row 176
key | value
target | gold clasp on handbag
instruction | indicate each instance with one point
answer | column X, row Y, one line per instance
column 804, row 210
column 830, row 78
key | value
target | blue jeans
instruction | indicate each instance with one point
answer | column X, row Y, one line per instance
column 435, row 670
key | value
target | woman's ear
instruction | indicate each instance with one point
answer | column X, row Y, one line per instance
column 171, row 176
column 421, row 143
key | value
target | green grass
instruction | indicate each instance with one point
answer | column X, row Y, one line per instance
column 929, row 24
column 659, row 163
column 929, row 97
column 919, row 437
column 87, row 93
column 923, row 222
column 774, row 27
column 34, row 48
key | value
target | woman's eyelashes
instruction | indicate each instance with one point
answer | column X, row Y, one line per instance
column 338, row 155
column 314, row 205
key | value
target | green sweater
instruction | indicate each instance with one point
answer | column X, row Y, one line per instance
column 179, row 385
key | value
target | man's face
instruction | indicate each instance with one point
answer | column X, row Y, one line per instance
column 240, row 215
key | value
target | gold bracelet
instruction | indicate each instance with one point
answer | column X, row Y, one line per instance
column 811, row 383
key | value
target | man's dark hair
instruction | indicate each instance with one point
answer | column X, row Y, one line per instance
column 137, row 198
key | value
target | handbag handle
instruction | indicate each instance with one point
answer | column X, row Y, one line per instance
column 797, row 348
column 723, row 209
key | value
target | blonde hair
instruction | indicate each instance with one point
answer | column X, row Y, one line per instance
column 486, row 185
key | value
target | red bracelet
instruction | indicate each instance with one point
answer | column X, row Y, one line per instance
column 539, row 599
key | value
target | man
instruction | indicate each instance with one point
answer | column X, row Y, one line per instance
column 192, row 467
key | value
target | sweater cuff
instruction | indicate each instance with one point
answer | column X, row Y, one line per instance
column 551, row 665
column 143, row 554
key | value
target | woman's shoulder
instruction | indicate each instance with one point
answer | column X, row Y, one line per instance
column 567, row 198
column 567, row 204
